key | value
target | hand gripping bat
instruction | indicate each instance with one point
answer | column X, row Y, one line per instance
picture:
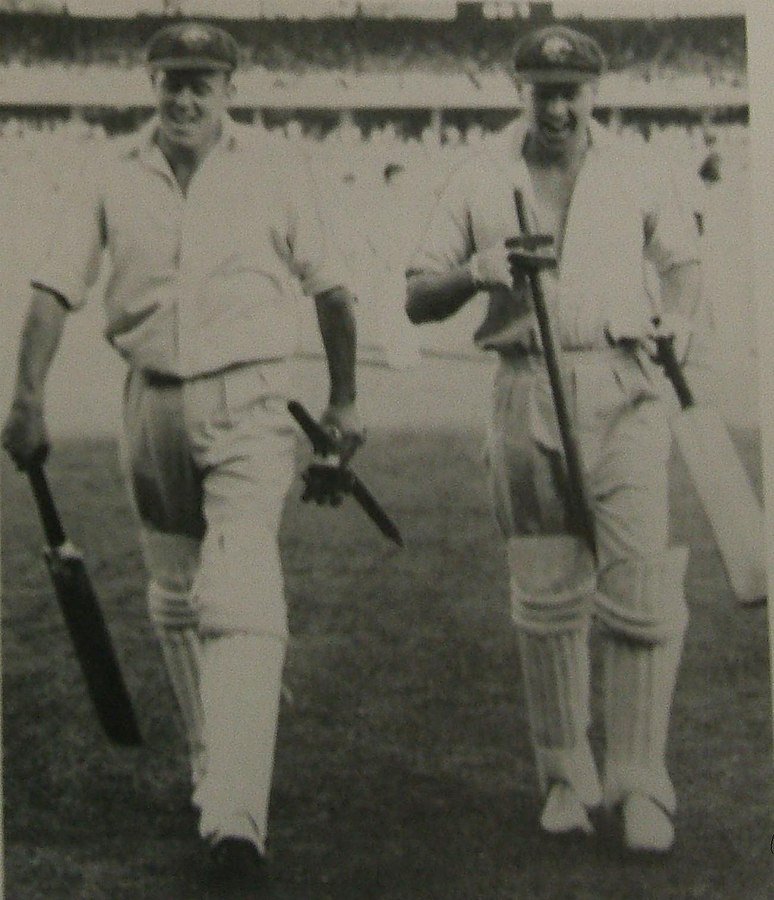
column 330, row 482
column 733, row 510
column 85, row 622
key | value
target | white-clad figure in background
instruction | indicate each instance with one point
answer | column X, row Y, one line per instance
column 392, row 239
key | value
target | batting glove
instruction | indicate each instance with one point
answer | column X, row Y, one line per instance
column 490, row 268
column 633, row 334
column 325, row 484
column 530, row 253
column 670, row 325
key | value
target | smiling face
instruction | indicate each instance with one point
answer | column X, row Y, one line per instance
column 191, row 104
column 560, row 114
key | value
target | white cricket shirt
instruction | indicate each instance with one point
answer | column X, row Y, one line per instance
column 198, row 282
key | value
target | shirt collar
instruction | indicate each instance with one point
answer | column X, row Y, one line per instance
column 144, row 145
column 517, row 133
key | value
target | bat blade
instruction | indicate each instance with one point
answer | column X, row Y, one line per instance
column 93, row 648
column 85, row 622
column 374, row 511
column 733, row 510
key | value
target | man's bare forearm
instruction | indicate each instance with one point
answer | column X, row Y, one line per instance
column 40, row 340
column 434, row 296
column 336, row 320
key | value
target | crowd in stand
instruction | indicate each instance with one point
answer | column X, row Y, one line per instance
column 353, row 163
column 350, row 165
column 352, row 156
column 713, row 47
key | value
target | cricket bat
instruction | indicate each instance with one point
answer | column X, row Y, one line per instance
column 344, row 478
column 733, row 510
column 578, row 503
column 84, row 621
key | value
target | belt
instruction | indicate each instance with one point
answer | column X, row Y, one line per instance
column 161, row 379
column 165, row 379
column 516, row 352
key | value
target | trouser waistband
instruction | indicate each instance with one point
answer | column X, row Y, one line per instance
column 164, row 379
column 517, row 353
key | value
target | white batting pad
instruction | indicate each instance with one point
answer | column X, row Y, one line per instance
column 181, row 649
column 556, row 683
column 640, row 680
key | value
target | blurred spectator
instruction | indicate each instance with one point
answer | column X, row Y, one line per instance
column 392, row 236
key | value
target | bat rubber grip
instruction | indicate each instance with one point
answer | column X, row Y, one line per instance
column 52, row 524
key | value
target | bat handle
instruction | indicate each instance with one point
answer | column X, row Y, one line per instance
column 578, row 499
column 321, row 443
column 666, row 358
column 521, row 212
column 52, row 524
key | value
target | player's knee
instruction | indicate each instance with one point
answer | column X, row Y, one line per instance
column 240, row 586
column 643, row 599
column 169, row 606
column 171, row 559
column 552, row 583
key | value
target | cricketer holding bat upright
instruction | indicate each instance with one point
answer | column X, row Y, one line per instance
column 203, row 225
column 608, row 209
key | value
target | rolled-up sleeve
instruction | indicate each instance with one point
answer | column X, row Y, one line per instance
column 446, row 241
column 671, row 238
column 71, row 265
column 307, row 248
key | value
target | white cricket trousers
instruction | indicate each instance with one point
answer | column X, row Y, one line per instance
column 635, row 591
column 209, row 461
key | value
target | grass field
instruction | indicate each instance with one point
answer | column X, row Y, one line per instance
column 403, row 766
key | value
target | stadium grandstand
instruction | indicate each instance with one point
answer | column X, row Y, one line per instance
column 341, row 55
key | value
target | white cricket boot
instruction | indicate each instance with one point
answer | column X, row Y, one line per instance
column 647, row 827
column 563, row 813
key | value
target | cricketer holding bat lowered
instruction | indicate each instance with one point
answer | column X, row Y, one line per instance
column 202, row 225
column 607, row 208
